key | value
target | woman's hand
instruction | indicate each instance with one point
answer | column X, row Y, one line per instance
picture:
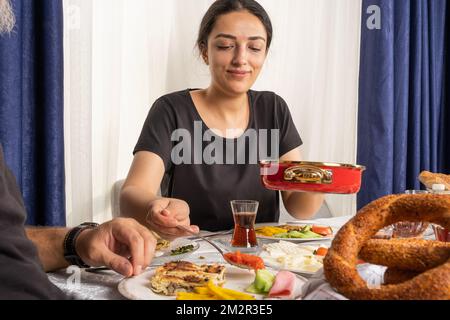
column 165, row 214
column 122, row 244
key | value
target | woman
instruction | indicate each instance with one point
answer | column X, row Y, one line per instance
column 199, row 178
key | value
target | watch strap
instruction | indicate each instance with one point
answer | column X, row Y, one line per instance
column 70, row 253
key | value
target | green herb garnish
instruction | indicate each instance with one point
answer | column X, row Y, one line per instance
column 181, row 250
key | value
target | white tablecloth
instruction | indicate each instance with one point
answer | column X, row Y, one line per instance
column 102, row 285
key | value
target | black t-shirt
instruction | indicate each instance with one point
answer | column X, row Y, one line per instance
column 207, row 170
column 21, row 274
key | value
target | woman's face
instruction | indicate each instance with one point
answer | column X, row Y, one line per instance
column 236, row 51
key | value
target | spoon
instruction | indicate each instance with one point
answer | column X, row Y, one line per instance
column 183, row 228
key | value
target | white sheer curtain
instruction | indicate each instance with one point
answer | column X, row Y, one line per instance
column 121, row 55
column 78, row 110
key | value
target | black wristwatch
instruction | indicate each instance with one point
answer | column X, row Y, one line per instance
column 70, row 253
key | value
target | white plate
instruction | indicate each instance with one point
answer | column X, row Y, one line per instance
column 277, row 266
column 165, row 255
column 138, row 288
column 272, row 263
column 295, row 239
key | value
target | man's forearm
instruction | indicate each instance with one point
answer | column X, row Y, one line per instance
column 49, row 242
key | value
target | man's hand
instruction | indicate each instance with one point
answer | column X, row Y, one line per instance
column 165, row 214
column 122, row 244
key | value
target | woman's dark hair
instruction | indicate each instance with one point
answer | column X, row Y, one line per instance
column 221, row 7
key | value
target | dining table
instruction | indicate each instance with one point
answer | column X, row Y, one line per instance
column 86, row 284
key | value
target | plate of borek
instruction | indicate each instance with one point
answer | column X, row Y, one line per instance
column 184, row 280
column 295, row 232
column 299, row 258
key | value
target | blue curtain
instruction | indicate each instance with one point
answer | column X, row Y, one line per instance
column 31, row 107
column 444, row 145
column 403, row 117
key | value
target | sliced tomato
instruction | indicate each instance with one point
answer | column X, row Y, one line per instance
column 253, row 261
column 249, row 260
column 238, row 256
column 232, row 256
column 324, row 231
column 321, row 252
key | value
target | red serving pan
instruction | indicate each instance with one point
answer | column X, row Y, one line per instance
column 311, row 176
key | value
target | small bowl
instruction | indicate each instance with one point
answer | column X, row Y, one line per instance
column 407, row 229
column 441, row 234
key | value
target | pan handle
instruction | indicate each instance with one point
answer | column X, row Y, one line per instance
column 308, row 174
